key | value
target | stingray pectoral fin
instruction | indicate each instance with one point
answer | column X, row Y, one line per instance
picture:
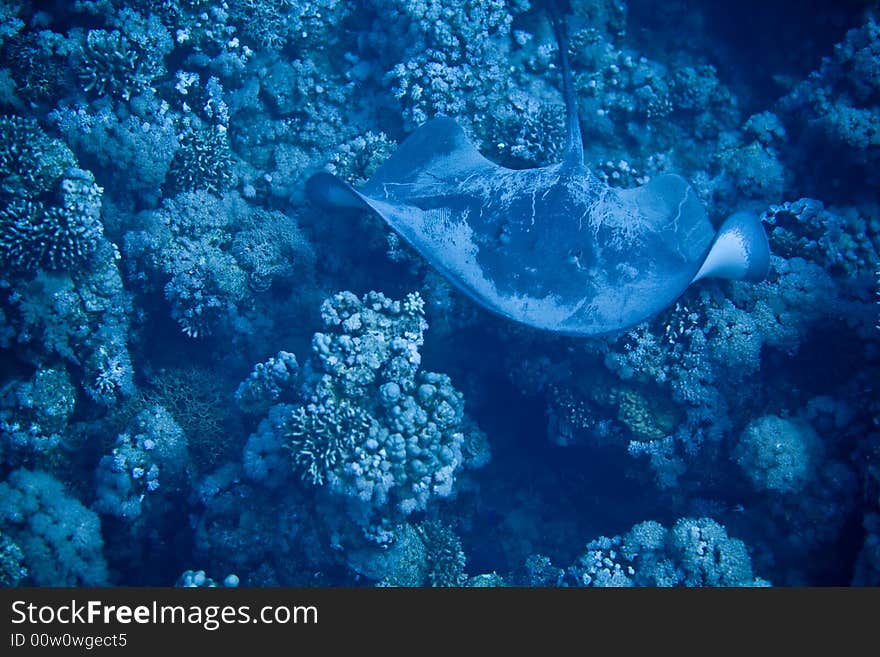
column 740, row 250
column 327, row 191
column 435, row 154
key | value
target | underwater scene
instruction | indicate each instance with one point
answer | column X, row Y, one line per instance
column 439, row 293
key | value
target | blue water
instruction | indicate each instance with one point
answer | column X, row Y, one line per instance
column 204, row 379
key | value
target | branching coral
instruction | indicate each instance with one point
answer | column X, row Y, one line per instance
column 31, row 163
column 50, row 214
column 321, row 437
column 203, row 161
column 702, row 348
column 124, row 62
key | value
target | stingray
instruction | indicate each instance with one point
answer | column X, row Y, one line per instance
column 552, row 247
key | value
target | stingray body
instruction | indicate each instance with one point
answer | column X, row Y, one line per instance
column 551, row 247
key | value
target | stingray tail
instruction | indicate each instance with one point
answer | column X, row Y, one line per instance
column 574, row 146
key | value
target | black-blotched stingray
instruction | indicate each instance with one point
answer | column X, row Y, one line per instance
column 552, row 247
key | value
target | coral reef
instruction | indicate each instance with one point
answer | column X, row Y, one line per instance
column 35, row 413
column 371, row 427
column 11, row 557
column 123, row 62
column 427, row 554
column 50, row 217
column 266, row 383
column 186, row 398
column 835, row 108
column 777, row 454
column 214, row 252
column 693, row 552
column 59, row 537
column 151, row 454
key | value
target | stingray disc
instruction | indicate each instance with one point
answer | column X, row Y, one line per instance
column 551, row 247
